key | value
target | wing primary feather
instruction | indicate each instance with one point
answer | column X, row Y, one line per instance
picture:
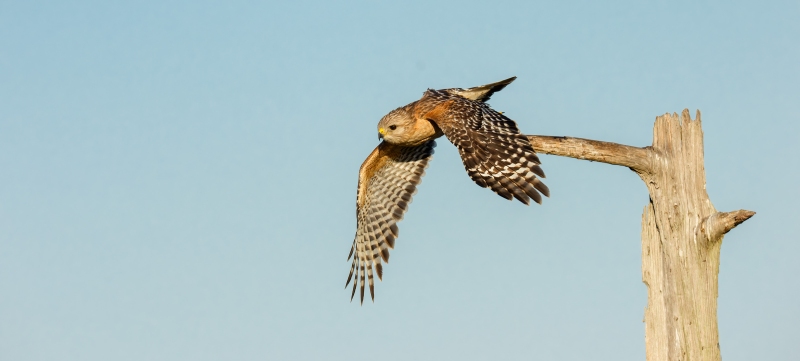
column 352, row 268
column 541, row 187
column 362, row 283
column 369, row 263
column 538, row 170
column 355, row 282
column 371, row 282
column 385, row 254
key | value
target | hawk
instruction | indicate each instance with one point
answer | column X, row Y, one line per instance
column 495, row 155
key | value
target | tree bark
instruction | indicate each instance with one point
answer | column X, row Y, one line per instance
column 681, row 233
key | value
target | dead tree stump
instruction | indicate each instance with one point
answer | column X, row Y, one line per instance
column 681, row 233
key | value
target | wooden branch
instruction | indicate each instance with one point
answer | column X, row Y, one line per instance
column 718, row 224
column 638, row 159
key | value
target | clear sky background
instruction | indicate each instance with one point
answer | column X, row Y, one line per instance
column 177, row 180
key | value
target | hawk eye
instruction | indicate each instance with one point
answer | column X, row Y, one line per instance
column 392, row 127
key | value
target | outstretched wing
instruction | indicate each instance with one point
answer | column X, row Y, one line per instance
column 386, row 183
column 494, row 152
column 481, row 93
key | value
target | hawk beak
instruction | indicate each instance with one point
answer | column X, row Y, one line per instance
column 381, row 132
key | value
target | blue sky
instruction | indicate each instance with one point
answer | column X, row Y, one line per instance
column 177, row 180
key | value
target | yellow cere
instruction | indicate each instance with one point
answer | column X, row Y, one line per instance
column 382, row 131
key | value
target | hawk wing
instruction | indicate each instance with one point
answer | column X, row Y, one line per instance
column 387, row 180
column 481, row 93
column 494, row 152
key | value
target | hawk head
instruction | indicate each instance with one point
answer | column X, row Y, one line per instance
column 397, row 127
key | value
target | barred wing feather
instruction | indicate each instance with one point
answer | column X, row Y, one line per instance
column 387, row 182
